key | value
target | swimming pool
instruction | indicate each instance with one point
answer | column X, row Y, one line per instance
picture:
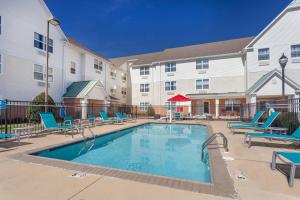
column 168, row 150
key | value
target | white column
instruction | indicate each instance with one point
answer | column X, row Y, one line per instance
column 252, row 105
column 217, row 104
column 83, row 108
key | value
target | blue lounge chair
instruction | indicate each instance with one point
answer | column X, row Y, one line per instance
column 261, row 127
column 253, row 122
column 105, row 118
column 177, row 116
column 9, row 135
column 292, row 158
column 68, row 120
column 121, row 117
column 50, row 123
column 295, row 137
column 93, row 120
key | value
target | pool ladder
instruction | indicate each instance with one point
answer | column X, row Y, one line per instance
column 211, row 139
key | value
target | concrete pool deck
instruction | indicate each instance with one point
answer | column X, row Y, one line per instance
column 23, row 180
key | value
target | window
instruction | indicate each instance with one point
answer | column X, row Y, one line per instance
column 170, row 67
column 113, row 90
column 1, row 64
column 264, row 54
column 39, row 73
column 40, row 42
column 144, row 106
column 144, row 88
column 124, row 77
column 232, row 105
column 295, row 50
column 170, row 85
column 0, row 25
column 171, row 105
column 73, row 68
column 202, row 84
column 98, row 64
column 202, row 64
column 113, row 74
column 124, row 91
column 144, row 70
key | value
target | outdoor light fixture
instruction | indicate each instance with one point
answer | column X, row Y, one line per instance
column 283, row 61
column 54, row 22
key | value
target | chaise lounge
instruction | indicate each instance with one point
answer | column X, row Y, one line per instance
column 295, row 137
column 259, row 127
column 292, row 158
column 50, row 123
column 253, row 122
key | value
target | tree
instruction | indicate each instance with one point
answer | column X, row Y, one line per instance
column 37, row 106
column 150, row 111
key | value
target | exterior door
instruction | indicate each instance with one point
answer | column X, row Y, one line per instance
column 206, row 107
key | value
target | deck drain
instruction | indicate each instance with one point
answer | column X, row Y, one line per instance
column 78, row 175
column 240, row 175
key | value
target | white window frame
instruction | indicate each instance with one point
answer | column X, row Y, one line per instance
column 263, row 54
column 73, row 67
column 145, row 70
column 170, row 67
column 232, row 104
column 1, row 63
column 170, row 105
column 202, row 64
column 43, row 72
column 204, row 84
column 170, row 86
column 145, row 87
column 98, row 64
column 42, row 42
column 144, row 106
column 295, row 51
column 124, row 91
column 124, row 77
column 113, row 74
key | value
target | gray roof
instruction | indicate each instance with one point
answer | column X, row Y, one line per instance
column 187, row 52
column 147, row 58
column 205, row 50
column 79, row 89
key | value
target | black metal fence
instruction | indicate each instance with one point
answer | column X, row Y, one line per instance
column 25, row 113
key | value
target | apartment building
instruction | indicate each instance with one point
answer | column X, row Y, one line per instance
column 77, row 74
column 220, row 76
column 217, row 76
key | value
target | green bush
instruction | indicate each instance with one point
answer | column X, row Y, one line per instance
column 287, row 120
column 150, row 111
column 34, row 110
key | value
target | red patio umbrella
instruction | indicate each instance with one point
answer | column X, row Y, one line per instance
column 178, row 98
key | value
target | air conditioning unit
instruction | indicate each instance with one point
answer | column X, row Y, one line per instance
column 41, row 84
column 202, row 91
column 42, row 53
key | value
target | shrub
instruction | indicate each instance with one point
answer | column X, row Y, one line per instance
column 287, row 120
column 34, row 110
column 150, row 111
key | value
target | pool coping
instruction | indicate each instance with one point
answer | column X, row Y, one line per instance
column 221, row 182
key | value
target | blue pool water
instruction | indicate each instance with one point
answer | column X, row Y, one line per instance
column 170, row 150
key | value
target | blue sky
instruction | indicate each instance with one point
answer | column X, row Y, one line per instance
column 127, row 27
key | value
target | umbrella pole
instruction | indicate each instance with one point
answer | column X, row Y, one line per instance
column 170, row 118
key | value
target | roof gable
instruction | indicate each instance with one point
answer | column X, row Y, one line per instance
column 79, row 89
column 294, row 5
column 269, row 76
